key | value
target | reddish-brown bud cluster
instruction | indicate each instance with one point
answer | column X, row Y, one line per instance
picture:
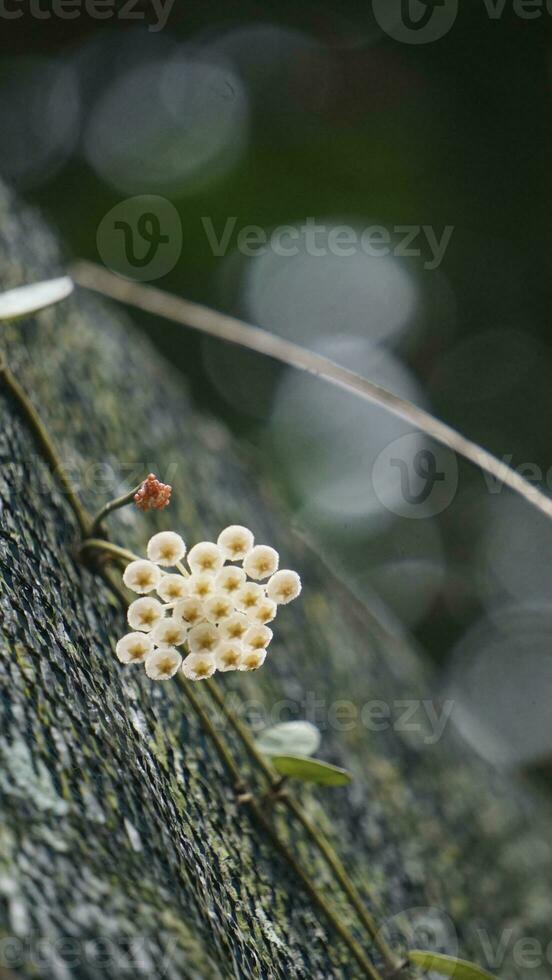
column 153, row 495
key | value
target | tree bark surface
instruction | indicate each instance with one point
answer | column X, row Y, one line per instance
column 123, row 849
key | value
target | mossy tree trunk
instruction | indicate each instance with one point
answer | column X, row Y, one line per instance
column 123, row 849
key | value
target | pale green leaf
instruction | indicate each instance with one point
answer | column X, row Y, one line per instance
column 448, row 966
column 25, row 300
column 289, row 738
column 310, row 770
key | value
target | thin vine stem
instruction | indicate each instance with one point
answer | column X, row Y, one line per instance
column 46, row 445
column 257, row 813
column 222, row 749
column 243, row 732
column 393, row 964
column 235, row 331
column 112, row 505
column 116, row 553
column 321, row 842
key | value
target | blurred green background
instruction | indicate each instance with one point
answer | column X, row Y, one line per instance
column 273, row 114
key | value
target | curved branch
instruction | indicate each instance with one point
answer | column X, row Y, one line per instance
column 234, row 331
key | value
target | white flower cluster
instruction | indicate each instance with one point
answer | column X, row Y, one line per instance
column 216, row 611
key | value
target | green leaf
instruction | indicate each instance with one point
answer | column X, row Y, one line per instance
column 289, row 738
column 449, row 966
column 25, row 300
column 310, row 770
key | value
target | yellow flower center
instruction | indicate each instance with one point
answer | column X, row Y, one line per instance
column 231, row 658
column 172, row 636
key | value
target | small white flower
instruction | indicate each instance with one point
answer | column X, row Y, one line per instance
column 235, row 627
column 133, row 648
column 205, row 557
column 144, row 614
column 229, row 655
column 166, row 548
column 265, row 612
column 217, row 607
column 203, row 638
column 189, row 611
column 169, row 633
column 252, row 660
column 216, row 611
column 141, row 576
column 235, row 542
column 172, row 587
column 201, row 585
column 249, row 597
column 198, row 666
column 261, row 562
column 283, row 587
column 257, row 638
column 230, row 579
column 163, row 663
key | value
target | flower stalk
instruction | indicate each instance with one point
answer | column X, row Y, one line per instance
column 120, row 556
column 150, row 494
column 116, row 504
